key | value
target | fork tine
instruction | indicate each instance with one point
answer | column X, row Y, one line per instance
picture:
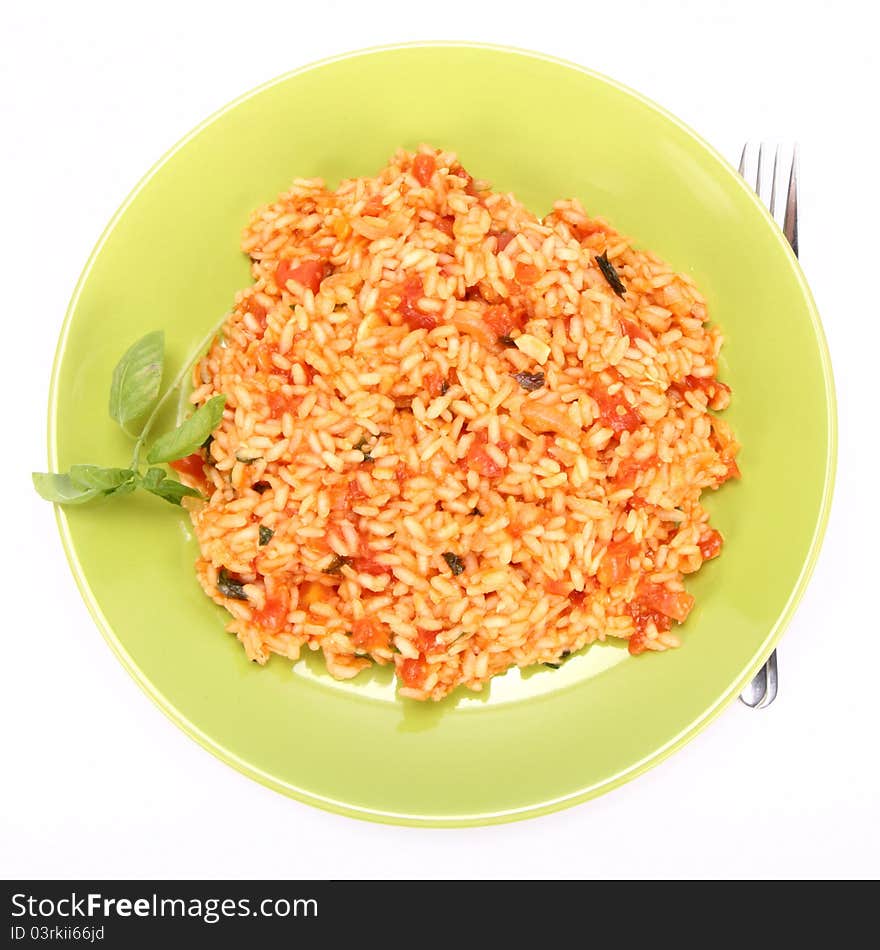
column 790, row 221
column 742, row 161
column 773, row 185
column 772, row 681
column 758, row 173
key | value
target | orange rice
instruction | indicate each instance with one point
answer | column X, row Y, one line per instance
column 449, row 443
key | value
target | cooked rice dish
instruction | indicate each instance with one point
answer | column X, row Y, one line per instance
column 457, row 438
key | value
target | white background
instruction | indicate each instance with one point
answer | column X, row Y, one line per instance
column 97, row 782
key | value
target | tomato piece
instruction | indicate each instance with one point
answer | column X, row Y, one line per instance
column 638, row 642
column 374, row 207
column 710, row 544
column 273, row 615
column 309, row 273
column 310, row 593
column 560, row 588
column 615, row 412
column 446, row 225
column 423, row 169
column 435, row 384
column 504, row 238
column 412, row 672
column 614, row 567
column 631, row 329
column 582, row 231
column 707, row 384
column 526, row 273
column 501, row 320
column 411, row 292
column 193, row 466
column 643, row 615
column 369, row 634
column 279, row 403
column 626, row 475
column 481, row 461
column 256, row 310
column 676, row 604
column 426, row 640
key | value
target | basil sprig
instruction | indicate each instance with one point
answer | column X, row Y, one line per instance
column 134, row 392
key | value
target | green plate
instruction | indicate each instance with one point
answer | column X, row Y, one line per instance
column 534, row 741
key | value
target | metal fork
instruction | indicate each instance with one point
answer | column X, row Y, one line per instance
column 764, row 685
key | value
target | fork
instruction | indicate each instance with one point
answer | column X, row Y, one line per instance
column 764, row 685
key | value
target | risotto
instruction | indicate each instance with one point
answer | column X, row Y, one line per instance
column 457, row 437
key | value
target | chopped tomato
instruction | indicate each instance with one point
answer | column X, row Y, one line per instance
column 435, row 384
column 423, row 169
column 581, row 231
column 368, row 565
column 504, row 238
column 675, row 604
column 445, row 225
column 279, row 403
column 526, row 273
column 502, row 320
column 627, row 471
column 707, row 384
column 412, row 672
column 577, row 597
column 481, row 461
column 426, row 640
column 615, row 412
column 643, row 616
column 561, row 588
column 614, row 567
column 411, row 292
column 374, row 207
column 308, row 273
column 354, row 494
column 257, row 310
column 193, row 466
column 310, row 593
column 273, row 616
column 710, row 544
column 401, row 473
column 459, row 172
column 631, row 329
column 369, row 634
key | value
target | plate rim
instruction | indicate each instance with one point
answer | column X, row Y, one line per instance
column 545, row 806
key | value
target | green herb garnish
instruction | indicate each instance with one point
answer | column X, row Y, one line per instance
column 562, row 658
column 134, row 392
column 229, row 586
column 336, row 565
column 456, row 565
column 529, row 381
column 266, row 535
column 610, row 274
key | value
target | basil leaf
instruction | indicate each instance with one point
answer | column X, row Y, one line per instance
column 229, row 586
column 171, row 490
column 61, row 489
column 137, row 378
column 189, row 435
column 104, row 479
column 153, row 477
column 609, row 272
column 125, row 488
column 266, row 535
